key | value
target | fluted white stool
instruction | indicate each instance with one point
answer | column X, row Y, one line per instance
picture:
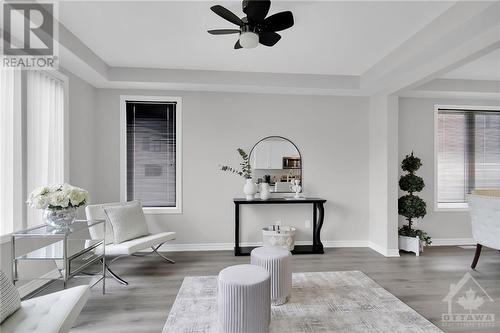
column 244, row 299
column 278, row 262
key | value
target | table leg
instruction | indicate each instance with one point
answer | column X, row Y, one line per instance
column 236, row 229
column 318, row 246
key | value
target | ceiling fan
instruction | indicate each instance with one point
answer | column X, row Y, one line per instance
column 255, row 28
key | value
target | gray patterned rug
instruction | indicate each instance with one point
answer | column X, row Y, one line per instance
column 320, row 302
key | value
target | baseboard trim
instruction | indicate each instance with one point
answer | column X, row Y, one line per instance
column 230, row 246
column 384, row 251
column 33, row 285
column 452, row 241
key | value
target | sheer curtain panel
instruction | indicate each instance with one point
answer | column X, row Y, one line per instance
column 45, row 134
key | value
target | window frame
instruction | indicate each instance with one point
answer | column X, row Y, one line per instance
column 459, row 206
column 178, row 154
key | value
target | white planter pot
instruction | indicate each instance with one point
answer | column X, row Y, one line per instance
column 250, row 189
column 411, row 244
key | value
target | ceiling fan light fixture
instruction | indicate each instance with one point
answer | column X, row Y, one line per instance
column 249, row 39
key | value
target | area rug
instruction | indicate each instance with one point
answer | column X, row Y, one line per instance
column 321, row 302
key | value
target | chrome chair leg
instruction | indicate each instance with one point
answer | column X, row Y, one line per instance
column 155, row 250
column 115, row 276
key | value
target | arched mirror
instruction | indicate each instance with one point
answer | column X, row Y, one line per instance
column 277, row 161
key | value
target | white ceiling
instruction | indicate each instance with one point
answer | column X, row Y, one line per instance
column 484, row 68
column 329, row 37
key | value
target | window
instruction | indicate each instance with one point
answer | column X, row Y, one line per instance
column 467, row 153
column 151, row 153
column 33, row 141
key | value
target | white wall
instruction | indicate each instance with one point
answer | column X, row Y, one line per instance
column 416, row 132
column 331, row 133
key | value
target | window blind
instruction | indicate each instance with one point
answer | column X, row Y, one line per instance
column 151, row 153
column 468, row 153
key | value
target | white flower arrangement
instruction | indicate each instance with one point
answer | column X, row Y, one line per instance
column 56, row 197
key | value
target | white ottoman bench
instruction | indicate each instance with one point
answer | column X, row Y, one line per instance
column 278, row 261
column 244, row 299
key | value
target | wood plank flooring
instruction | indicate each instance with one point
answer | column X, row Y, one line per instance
column 421, row 282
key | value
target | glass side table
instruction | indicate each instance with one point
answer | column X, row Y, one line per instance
column 72, row 249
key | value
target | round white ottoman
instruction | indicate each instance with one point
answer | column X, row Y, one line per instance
column 244, row 299
column 278, row 261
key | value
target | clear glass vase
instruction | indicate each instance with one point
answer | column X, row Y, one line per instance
column 60, row 218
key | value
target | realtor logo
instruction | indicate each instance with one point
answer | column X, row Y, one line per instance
column 470, row 297
column 29, row 30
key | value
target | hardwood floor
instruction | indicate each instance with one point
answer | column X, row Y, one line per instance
column 421, row 282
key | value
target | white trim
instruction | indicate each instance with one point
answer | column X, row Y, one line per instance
column 33, row 285
column 230, row 246
column 384, row 251
column 459, row 207
column 178, row 158
column 452, row 241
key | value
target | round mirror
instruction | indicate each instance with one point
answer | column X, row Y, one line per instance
column 277, row 161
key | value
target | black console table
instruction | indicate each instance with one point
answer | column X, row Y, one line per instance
column 318, row 217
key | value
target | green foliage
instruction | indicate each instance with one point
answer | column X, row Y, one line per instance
column 246, row 170
column 407, row 231
column 411, row 206
column 411, row 163
column 411, row 183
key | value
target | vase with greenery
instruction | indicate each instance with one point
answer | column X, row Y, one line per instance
column 411, row 206
column 246, row 172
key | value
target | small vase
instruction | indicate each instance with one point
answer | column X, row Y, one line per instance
column 60, row 218
column 250, row 189
column 265, row 191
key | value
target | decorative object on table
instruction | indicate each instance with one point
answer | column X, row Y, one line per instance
column 322, row 302
column 244, row 299
column 296, row 188
column 412, row 207
column 278, row 262
column 278, row 160
column 276, row 235
column 250, row 187
column 265, row 191
column 59, row 203
column 484, row 212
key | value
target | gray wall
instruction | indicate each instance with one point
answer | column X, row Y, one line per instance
column 331, row 133
column 416, row 132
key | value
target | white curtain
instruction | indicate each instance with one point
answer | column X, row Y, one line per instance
column 45, row 135
column 7, row 95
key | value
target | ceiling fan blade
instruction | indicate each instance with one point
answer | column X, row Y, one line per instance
column 227, row 15
column 237, row 45
column 269, row 38
column 223, row 31
column 256, row 10
column 278, row 21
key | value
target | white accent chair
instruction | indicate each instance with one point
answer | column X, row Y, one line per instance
column 485, row 220
column 52, row 313
column 127, row 248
